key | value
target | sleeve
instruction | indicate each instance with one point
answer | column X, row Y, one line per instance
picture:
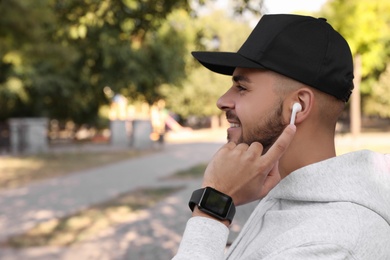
column 203, row 238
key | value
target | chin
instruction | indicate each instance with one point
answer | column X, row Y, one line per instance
column 232, row 139
column 236, row 140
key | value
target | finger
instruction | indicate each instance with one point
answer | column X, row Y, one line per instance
column 280, row 146
column 229, row 146
column 242, row 147
column 224, row 149
column 256, row 148
column 271, row 180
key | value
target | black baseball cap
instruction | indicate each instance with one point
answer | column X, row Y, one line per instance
column 303, row 48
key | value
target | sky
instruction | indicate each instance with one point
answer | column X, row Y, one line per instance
column 279, row 6
column 273, row 7
column 288, row 6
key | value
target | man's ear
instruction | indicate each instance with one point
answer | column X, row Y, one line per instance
column 305, row 97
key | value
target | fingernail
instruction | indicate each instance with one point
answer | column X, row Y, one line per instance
column 293, row 127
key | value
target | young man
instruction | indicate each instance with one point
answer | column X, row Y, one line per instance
column 313, row 205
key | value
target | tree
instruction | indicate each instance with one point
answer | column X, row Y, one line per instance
column 58, row 55
column 28, row 56
column 379, row 103
column 198, row 94
column 365, row 25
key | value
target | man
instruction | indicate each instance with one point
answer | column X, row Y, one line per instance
column 313, row 205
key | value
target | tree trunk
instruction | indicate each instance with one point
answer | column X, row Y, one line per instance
column 355, row 108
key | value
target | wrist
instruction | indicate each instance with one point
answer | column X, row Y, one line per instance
column 198, row 213
column 211, row 203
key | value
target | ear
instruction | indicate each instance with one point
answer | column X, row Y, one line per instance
column 305, row 97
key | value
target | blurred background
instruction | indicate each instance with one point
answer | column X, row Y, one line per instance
column 96, row 91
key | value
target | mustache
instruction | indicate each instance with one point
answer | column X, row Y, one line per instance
column 231, row 116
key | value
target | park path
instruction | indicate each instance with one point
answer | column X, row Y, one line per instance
column 152, row 234
column 23, row 207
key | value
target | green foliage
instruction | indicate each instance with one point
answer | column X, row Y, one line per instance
column 198, row 95
column 159, row 61
column 26, row 54
column 365, row 25
column 379, row 103
column 196, row 171
column 199, row 92
column 56, row 56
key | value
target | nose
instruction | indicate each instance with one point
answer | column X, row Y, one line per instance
column 225, row 102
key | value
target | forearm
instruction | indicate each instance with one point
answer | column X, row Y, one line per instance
column 204, row 238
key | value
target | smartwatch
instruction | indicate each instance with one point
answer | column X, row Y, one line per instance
column 213, row 203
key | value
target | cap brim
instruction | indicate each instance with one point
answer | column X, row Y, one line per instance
column 224, row 62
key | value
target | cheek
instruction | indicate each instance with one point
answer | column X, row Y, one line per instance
column 250, row 116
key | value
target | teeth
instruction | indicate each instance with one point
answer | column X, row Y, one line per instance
column 234, row 125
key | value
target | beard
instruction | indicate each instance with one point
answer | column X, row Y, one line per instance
column 267, row 132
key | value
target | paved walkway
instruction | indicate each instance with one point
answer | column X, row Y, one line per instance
column 24, row 207
column 152, row 234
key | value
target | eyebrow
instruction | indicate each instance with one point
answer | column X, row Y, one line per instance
column 242, row 78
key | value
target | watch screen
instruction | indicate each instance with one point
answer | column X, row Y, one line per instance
column 216, row 202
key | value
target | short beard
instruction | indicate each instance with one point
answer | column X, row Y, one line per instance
column 266, row 133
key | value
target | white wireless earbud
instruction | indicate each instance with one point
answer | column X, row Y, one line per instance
column 295, row 109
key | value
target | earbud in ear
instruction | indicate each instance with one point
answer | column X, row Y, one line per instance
column 295, row 109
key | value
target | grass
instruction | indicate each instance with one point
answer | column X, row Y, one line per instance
column 17, row 171
column 196, row 171
column 87, row 223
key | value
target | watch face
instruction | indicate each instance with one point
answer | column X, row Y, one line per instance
column 216, row 202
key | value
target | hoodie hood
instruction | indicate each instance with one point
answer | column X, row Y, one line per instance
column 361, row 177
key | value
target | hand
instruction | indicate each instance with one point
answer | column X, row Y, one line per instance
column 241, row 171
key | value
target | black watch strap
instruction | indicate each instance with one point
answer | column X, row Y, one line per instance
column 213, row 203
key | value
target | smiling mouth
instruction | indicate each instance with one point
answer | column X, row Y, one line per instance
column 234, row 125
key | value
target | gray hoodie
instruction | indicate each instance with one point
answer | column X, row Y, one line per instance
column 335, row 209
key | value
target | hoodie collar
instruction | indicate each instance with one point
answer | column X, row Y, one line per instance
column 361, row 177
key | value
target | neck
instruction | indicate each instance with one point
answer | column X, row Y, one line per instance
column 308, row 147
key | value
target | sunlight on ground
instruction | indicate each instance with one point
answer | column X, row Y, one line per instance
column 98, row 222
column 89, row 222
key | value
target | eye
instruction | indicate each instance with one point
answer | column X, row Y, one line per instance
column 240, row 88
